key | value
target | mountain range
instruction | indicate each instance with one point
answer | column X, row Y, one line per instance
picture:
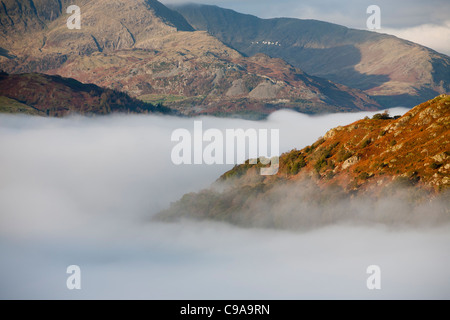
column 152, row 53
column 199, row 59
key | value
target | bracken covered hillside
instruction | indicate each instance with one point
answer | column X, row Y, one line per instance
column 373, row 152
column 346, row 174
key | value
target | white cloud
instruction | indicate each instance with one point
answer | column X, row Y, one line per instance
column 433, row 36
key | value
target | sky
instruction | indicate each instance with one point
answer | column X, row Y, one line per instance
column 423, row 22
column 81, row 191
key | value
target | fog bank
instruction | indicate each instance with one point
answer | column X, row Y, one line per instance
column 81, row 191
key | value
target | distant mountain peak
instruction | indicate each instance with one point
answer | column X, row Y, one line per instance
column 106, row 25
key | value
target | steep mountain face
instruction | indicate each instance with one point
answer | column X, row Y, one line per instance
column 44, row 95
column 151, row 52
column 376, row 162
column 395, row 71
column 38, row 29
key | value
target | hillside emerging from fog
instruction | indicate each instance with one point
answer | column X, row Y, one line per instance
column 150, row 52
column 364, row 167
column 392, row 70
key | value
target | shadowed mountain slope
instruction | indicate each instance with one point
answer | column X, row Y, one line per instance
column 395, row 71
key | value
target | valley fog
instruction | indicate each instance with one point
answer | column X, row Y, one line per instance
column 82, row 191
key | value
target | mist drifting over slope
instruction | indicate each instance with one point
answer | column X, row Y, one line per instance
column 82, row 191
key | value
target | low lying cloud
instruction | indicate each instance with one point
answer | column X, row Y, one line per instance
column 300, row 205
column 81, row 191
